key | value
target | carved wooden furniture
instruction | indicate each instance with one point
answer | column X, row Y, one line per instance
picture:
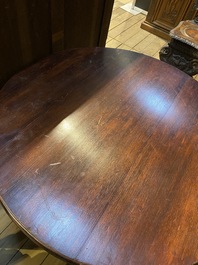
column 164, row 15
column 99, row 154
column 32, row 29
column 182, row 51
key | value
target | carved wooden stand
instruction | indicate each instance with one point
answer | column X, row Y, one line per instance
column 182, row 51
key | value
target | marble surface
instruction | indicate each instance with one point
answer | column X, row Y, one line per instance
column 187, row 32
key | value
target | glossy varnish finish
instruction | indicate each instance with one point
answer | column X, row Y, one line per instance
column 99, row 157
column 32, row 29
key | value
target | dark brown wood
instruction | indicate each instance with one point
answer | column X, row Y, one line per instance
column 87, row 21
column 57, row 24
column 105, row 22
column 32, row 29
column 164, row 15
column 25, row 34
column 182, row 51
column 99, row 154
column 180, row 55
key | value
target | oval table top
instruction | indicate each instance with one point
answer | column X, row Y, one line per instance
column 99, row 157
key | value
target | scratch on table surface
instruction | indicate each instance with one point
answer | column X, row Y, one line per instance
column 37, row 171
column 82, row 174
column 55, row 164
column 54, row 213
column 99, row 120
column 153, row 147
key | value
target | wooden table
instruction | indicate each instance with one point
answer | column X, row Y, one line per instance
column 99, row 158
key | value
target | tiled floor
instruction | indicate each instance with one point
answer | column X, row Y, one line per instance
column 124, row 33
column 17, row 249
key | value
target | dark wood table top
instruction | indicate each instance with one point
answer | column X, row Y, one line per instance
column 99, row 158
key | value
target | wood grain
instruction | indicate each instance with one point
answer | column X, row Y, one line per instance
column 31, row 30
column 99, row 161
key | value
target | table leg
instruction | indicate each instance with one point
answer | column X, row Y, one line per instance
column 180, row 55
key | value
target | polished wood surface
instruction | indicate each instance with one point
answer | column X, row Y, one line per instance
column 99, row 157
column 32, row 29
